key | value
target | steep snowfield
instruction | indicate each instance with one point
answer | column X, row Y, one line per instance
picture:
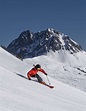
column 65, row 67
column 20, row 94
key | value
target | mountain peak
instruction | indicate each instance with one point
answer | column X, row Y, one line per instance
column 30, row 44
column 51, row 30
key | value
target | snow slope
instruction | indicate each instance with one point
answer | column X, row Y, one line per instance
column 20, row 94
column 65, row 67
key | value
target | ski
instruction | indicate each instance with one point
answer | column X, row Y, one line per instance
column 50, row 86
column 47, row 85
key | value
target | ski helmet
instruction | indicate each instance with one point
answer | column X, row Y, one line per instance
column 37, row 66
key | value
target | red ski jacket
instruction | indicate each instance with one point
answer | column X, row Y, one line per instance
column 34, row 71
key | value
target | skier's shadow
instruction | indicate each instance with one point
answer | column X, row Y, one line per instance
column 21, row 76
column 25, row 77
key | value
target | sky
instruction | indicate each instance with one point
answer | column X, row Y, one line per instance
column 67, row 16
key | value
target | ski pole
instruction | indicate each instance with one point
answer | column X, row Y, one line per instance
column 48, row 80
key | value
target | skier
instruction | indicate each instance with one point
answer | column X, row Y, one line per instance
column 33, row 73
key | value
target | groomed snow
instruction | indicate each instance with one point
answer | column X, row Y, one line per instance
column 20, row 94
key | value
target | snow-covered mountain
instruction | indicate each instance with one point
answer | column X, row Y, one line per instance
column 62, row 57
column 20, row 94
column 30, row 44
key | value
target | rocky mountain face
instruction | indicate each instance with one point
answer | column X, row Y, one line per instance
column 29, row 44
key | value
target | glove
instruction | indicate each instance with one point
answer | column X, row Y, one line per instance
column 46, row 74
column 29, row 78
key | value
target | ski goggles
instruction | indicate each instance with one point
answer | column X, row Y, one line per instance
column 38, row 69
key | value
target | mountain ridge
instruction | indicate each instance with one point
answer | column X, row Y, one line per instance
column 30, row 44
